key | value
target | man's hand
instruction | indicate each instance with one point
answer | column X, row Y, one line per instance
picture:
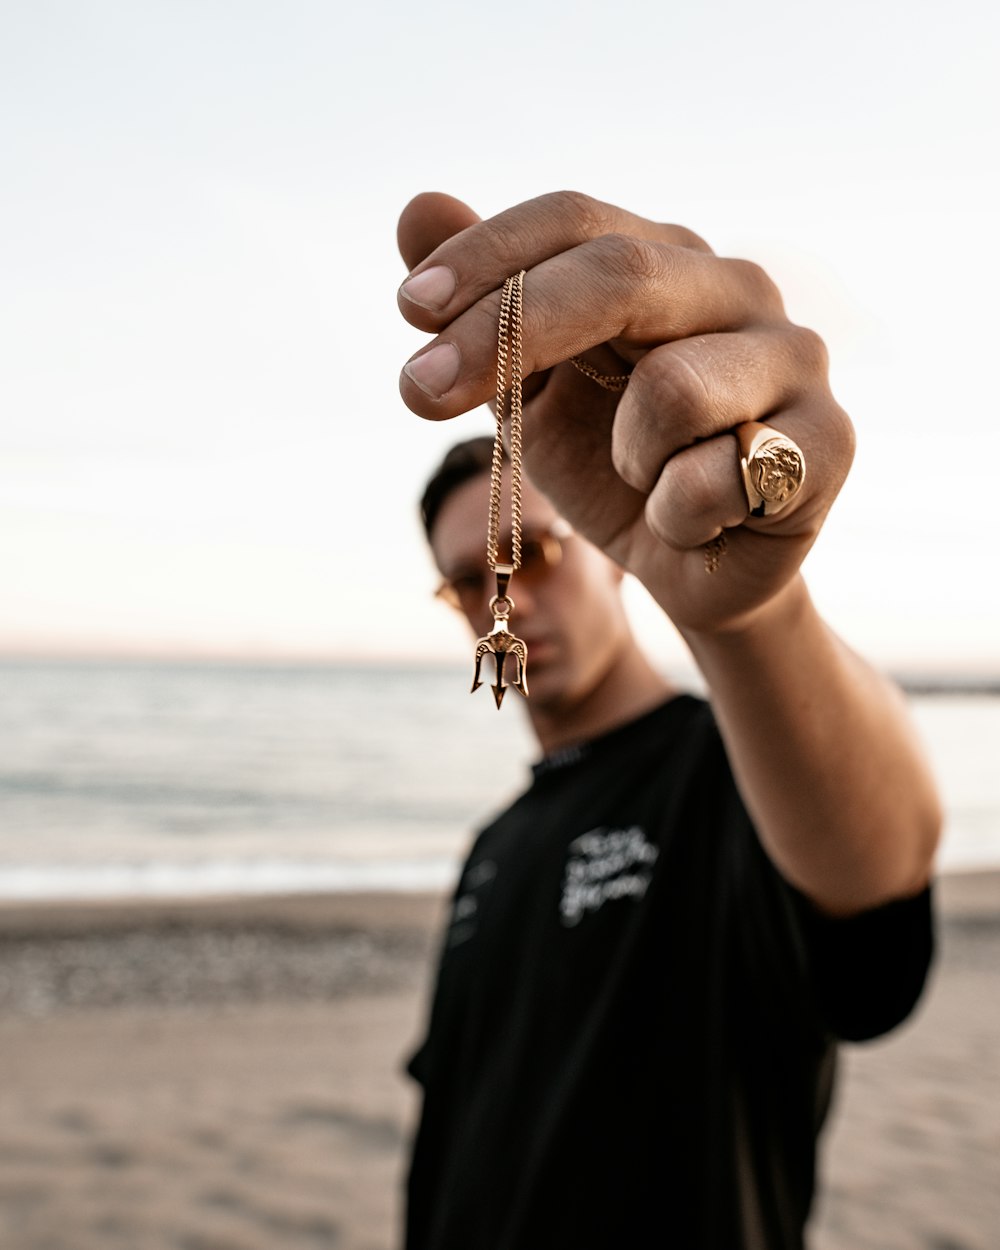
column 820, row 744
column 650, row 475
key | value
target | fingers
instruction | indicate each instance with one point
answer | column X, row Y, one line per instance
column 638, row 292
column 427, row 221
column 685, row 392
column 700, row 492
column 480, row 258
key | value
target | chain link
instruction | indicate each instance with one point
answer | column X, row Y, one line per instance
column 509, row 365
column 610, row 381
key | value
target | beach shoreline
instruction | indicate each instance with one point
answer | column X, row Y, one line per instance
column 227, row 1074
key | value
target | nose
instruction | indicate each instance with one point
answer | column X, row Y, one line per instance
column 523, row 598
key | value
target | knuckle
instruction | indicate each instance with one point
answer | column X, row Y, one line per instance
column 588, row 216
column 842, row 437
column 683, row 237
column 809, row 350
column 492, row 236
column 638, row 259
column 679, row 387
column 757, row 283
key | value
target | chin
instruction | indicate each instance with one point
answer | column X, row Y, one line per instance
column 553, row 690
column 545, row 684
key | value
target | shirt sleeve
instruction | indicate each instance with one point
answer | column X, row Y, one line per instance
column 850, row 978
column 854, row 978
column 867, row 972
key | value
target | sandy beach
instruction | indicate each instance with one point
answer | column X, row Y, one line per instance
column 226, row 1075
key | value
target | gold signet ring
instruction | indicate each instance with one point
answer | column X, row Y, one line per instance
column 773, row 467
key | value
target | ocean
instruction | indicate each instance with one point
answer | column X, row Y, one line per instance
column 142, row 779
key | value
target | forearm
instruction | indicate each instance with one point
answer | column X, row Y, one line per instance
column 822, row 748
column 824, row 754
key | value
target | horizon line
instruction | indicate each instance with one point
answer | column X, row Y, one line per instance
column 915, row 677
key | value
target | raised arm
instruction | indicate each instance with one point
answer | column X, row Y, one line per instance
column 822, row 746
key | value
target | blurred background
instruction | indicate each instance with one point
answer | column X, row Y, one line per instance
column 238, row 763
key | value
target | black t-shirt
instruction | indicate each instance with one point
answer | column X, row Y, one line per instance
column 633, row 1032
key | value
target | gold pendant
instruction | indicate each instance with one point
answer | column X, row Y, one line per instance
column 500, row 642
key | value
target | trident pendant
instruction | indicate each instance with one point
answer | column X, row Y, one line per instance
column 500, row 643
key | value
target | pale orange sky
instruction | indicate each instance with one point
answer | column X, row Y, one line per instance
column 203, row 445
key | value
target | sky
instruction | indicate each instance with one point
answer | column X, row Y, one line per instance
column 204, row 451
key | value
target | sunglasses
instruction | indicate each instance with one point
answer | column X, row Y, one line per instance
column 541, row 552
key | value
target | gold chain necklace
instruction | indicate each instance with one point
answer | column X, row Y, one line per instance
column 500, row 642
column 610, row 381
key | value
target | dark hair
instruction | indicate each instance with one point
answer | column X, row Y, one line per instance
column 464, row 461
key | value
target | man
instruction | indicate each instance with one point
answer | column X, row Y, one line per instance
column 653, row 953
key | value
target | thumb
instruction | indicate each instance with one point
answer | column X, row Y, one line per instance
column 427, row 221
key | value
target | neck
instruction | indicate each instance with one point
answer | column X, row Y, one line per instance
column 627, row 689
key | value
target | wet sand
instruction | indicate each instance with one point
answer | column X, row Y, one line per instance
column 226, row 1075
